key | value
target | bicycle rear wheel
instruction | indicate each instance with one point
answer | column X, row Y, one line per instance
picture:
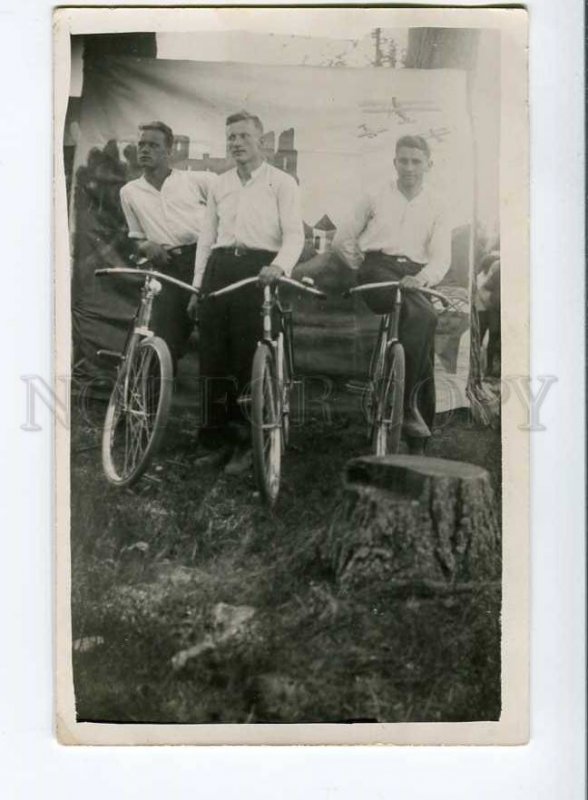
column 137, row 412
column 387, row 426
column 266, row 436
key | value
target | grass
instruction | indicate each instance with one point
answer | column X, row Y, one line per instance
column 151, row 564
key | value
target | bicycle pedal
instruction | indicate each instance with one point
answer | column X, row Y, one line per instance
column 109, row 354
column 244, row 399
column 357, row 387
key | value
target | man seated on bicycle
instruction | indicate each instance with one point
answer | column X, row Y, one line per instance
column 253, row 226
column 399, row 233
column 164, row 209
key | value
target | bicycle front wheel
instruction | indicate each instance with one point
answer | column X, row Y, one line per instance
column 137, row 412
column 285, row 381
column 387, row 427
column 266, row 437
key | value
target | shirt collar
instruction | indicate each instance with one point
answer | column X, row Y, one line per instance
column 255, row 173
column 261, row 168
column 420, row 196
column 144, row 183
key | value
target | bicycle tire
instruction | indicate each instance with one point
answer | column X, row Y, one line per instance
column 286, row 384
column 387, row 428
column 377, row 373
column 138, row 410
column 266, row 433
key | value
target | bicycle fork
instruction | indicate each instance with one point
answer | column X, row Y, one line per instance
column 266, row 338
column 393, row 323
column 150, row 291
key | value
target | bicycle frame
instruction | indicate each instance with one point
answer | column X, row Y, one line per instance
column 271, row 382
column 152, row 286
column 388, row 333
column 270, row 301
column 281, row 343
column 389, row 325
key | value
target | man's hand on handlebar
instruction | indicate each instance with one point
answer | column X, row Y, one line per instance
column 192, row 309
column 154, row 252
column 412, row 282
column 270, row 274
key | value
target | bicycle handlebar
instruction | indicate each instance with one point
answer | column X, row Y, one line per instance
column 151, row 273
column 366, row 287
column 283, row 280
column 304, row 286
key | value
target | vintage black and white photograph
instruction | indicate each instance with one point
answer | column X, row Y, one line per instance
column 283, row 264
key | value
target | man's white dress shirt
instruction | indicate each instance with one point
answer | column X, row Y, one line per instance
column 262, row 214
column 387, row 221
column 170, row 216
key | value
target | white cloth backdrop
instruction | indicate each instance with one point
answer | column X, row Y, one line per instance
column 345, row 123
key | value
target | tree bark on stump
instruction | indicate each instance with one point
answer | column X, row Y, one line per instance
column 416, row 522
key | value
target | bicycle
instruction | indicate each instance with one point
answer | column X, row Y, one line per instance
column 385, row 390
column 272, row 379
column 140, row 401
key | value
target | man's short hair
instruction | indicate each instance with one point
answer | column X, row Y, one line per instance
column 416, row 142
column 243, row 116
column 168, row 134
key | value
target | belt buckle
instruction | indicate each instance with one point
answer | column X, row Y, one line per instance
column 239, row 251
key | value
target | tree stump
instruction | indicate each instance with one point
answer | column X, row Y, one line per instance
column 413, row 522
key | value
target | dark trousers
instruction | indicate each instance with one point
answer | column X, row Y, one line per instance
column 169, row 317
column 417, row 324
column 230, row 327
column 489, row 320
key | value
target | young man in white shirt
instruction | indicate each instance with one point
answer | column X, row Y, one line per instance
column 164, row 209
column 253, row 226
column 399, row 232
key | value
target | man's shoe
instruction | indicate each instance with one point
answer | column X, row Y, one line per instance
column 212, row 458
column 241, row 461
column 413, row 427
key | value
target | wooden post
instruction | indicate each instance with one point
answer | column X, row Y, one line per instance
column 413, row 522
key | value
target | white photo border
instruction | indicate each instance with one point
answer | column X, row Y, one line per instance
column 553, row 763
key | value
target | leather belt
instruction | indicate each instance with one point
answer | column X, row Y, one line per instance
column 240, row 250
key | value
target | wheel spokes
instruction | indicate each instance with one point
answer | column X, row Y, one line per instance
column 134, row 420
column 272, row 431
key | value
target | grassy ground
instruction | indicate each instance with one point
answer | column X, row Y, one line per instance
column 152, row 566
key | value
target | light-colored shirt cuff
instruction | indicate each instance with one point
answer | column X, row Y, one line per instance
column 289, row 255
column 287, row 270
column 197, row 280
column 202, row 256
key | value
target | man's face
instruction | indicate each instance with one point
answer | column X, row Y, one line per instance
column 152, row 151
column 244, row 141
column 411, row 165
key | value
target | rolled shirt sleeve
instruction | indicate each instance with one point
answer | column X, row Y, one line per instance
column 207, row 238
column 346, row 240
column 134, row 226
column 439, row 252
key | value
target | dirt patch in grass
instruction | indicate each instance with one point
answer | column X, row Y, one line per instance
column 154, row 566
